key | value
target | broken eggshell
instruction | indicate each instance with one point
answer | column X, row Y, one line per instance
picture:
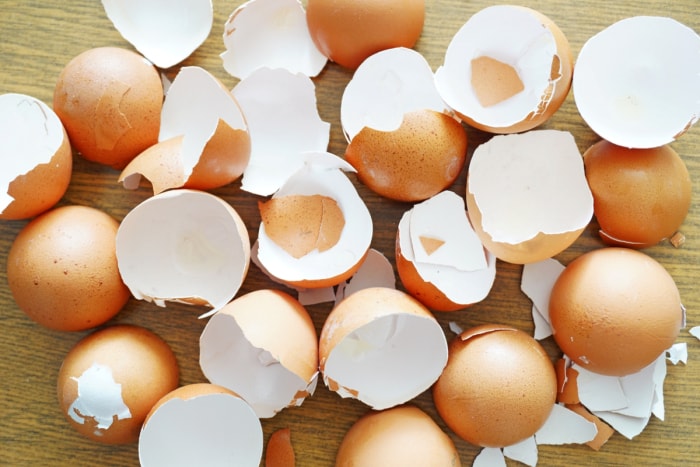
column 183, row 246
column 264, row 347
column 382, row 347
column 270, row 33
column 164, row 31
column 36, row 159
column 636, row 84
column 506, row 70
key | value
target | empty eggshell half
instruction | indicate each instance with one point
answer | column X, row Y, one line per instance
column 283, row 122
column 507, row 70
column 36, row 158
column 184, row 246
column 203, row 141
column 201, row 424
column 270, row 33
column 382, row 347
column 164, row 31
column 527, row 195
column 263, row 346
column 440, row 259
column 316, row 229
column 637, row 82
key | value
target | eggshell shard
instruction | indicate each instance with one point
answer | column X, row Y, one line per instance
column 165, row 32
column 498, row 387
column 640, row 196
column 382, row 347
column 201, row 424
column 183, row 246
column 635, row 85
column 272, row 34
column 615, row 310
column 439, row 257
column 321, row 175
column 403, row 435
column 264, row 347
column 284, row 125
column 110, row 380
column 527, row 195
column 279, row 451
column 109, row 100
column 36, row 158
column 507, row 70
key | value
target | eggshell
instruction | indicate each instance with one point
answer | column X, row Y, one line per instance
column 498, row 388
column 640, row 196
column 62, row 269
column 614, row 310
column 110, row 380
column 201, row 424
column 109, row 100
column 400, row 436
column 382, row 347
column 263, row 346
column 36, row 159
column 279, row 451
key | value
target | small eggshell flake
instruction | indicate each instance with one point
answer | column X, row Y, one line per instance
column 183, row 245
column 164, row 31
column 270, row 33
column 386, row 86
column 99, row 399
column 637, row 82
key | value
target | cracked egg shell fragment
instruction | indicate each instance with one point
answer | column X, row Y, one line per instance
column 36, row 154
column 337, row 232
column 203, row 141
column 183, row 246
column 165, row 31
column 382, row 347
column 201, row 424
column 507, row 70
column 440, row 259
column 263, row 346
column 272, row 34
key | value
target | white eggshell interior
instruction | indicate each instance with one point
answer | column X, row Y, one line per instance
column 283, row 122
column 164, row 31
column 530, row 183
column 637, row 82
column 99, row 399
column 510, row 35
column 183, row 244
column 376, row 271
column 211, row 429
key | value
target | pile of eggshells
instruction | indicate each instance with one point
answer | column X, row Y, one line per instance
column 529, row 196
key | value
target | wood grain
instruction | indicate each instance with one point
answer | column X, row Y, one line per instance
column 39, row 38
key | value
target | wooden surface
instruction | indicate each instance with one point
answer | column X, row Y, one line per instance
column 39, row 38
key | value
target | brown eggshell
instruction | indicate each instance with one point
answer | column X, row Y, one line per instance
column 615, row 310
column 498, row 388
column 62, row 269
column 110, row 380
column 279, row 451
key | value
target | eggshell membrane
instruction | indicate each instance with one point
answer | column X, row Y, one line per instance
column 521, row 40
column 404, row 435
column 279, row 451
column 368, row 340
column 418, row 160
column 635, row 85
column 164, row 31
column 36, row 153
column 109, row 381
column 349, row 31
column 527, row 195
column 62, row 269
column 615, row 310
column 185, row 246
column 201, row 423
column 640, row 196
column 269, row 337
column 109, row 100
column 498, row 388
